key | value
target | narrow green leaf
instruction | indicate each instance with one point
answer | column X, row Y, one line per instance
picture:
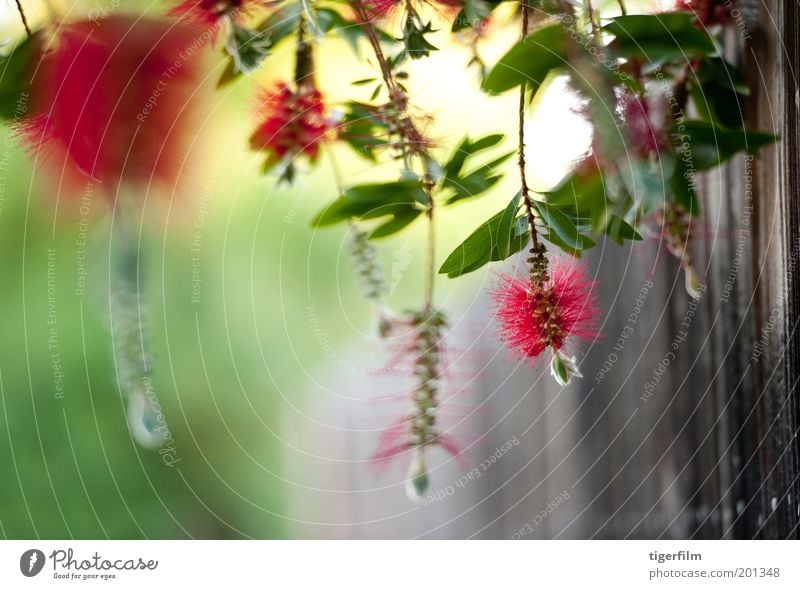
column 506, row 226
column 560, row 224
column 15, row 74
column 399, row 221
column 618, row 230
column 481, row 247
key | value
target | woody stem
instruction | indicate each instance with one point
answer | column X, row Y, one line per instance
column 526, row 198
column 413, row 143
column 24, row 18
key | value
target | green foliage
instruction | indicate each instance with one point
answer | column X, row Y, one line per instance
column 530, row 61
column 364, row 128
column 483, row 245
column 706, row 145
column 15, row 73
column 467, row 185
column 400, row 201
column 658, row 38
column 248, row 47
column 403, row 201
column 415, row 42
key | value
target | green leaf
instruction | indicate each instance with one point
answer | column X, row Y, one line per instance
column 560, row 224
column 718, row 92
column 659, row 37
column 530, row 61
column 583, row 192
column 468, row 148
column 705, row 145
column 482, row 247
column 364, row 129
column 330, row 20
column 618, row 230
column 371, row 201
column 16, row 70
column 506, row 226
column 417, row 45
column 477, row 182
column 400, row 220
column 472, row 14
column 585, row 243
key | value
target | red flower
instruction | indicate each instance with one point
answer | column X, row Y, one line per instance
column 377, row 9
column 211, row 12
column 551, row 314
column 645, row 131
column 421, row 355
column 708, row 12
column 292, row 122
column 113, row 99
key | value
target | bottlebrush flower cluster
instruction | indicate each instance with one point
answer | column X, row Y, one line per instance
column 113, row 100
column 535, row 314
column 421, row 354
column 292, row 121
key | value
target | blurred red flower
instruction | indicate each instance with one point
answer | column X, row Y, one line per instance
column 114, row 100
column 293, row 121
column 211, row 12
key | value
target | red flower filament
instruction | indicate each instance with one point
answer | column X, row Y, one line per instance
column 548, row 315
column 211, row 12
column 292, row 122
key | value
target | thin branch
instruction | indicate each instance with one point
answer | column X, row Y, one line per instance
column 24, row 18
column 526, row 198
column 412, row 139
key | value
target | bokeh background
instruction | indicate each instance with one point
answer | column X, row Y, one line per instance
column 269, row 373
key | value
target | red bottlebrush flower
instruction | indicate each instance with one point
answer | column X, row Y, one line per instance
column 377, row 9
column 421, row 354
column 707, row 12
column 645, row 131
column 113, row 100
column 211, row 12
column 292, row 122
column 533, row 318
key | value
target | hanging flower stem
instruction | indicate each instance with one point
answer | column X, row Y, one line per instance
column 24, row 18
column 413, row 144
column 130, row 336
column 537, row 260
